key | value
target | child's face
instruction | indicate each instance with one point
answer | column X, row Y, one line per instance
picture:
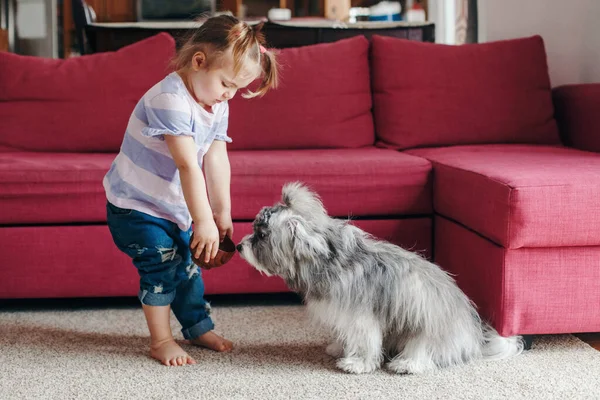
column 217, row 84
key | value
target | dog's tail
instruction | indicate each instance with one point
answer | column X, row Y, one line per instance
column 496, row 347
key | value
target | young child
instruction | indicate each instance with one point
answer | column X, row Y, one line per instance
column 155, row 187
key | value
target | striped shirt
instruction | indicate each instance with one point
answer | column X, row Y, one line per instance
column 144, row 176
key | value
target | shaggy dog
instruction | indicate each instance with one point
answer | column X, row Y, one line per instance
column 379, row 300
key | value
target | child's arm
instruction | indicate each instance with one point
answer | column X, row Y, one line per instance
column 218, row 181
column 183, row 150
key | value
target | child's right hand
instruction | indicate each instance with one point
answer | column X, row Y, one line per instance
column 206, row 235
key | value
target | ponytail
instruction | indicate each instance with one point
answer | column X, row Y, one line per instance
column 268, row 63
column 270, row 74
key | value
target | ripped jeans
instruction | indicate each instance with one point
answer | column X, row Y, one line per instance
column 160, row 252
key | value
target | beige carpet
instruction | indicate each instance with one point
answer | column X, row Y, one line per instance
column 100, row 353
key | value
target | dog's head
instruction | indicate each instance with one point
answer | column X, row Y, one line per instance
column 288, row 235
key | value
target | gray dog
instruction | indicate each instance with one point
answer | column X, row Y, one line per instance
column 379, row 300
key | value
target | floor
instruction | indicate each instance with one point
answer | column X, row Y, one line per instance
column 593, row 339
column 101, row 351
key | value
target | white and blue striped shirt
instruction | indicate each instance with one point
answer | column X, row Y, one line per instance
column 144, row 176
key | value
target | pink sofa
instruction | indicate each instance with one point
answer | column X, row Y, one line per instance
column 452, row 151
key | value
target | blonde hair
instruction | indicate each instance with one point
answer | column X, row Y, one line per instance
column 216, row 35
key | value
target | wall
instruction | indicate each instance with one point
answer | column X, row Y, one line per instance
column 570, row 28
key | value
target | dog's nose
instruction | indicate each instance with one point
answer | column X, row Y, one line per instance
column 239, row 248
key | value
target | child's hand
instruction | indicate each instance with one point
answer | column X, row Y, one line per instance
column 224, row 225
column 206, row 235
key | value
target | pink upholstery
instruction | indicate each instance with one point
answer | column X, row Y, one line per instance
column 577, row 114
column 65, row 188
column 358, row 182
column 518, row 216
column 520, row 195
column 524, row 291
column 324, row 101
column 86, row 263
column 428, row 94
column 81, row 104
column 47, row 188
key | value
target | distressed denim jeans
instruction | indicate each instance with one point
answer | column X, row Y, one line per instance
column 160, row 252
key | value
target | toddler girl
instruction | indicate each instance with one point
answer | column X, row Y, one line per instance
column 156, row 187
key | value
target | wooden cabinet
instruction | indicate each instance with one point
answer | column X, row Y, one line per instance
column 119, row 10
column 280, row 35
column 106, row 11
column 110, row 37
column 3, row 40
column 113, row 10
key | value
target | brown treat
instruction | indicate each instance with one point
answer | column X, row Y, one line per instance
column 226, row 251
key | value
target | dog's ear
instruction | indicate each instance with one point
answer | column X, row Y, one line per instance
column 299, row 198
column 306, row 244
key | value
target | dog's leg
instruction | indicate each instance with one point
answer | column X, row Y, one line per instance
column 335, row 349
column 414, row 357
column 361, row 338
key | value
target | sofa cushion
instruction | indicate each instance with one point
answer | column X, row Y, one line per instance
column 50, row 188
column 83, row 261
column 429, row 94
column 519, row 195
column 523, row 291
column 81, row 104
column 352, row 182
column 323, row 101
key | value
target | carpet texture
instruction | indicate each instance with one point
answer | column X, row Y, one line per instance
column 102, row 354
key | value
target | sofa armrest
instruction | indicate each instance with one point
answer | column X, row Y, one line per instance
column 577, row 111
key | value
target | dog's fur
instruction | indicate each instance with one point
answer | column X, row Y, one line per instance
column 379, row 300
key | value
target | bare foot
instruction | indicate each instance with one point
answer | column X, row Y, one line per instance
column 169, row 353
column 213, row 341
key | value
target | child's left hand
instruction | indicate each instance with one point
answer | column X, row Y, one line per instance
column 224, row 224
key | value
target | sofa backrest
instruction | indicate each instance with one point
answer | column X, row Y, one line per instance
column 81, row 104
column 330, row 96
column 427, row 94
column 323, row 101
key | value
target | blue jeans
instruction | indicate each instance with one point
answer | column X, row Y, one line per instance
column 160, row 252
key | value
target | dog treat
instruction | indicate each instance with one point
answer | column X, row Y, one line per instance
column 225, row 253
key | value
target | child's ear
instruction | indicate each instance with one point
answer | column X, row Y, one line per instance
column 198, row 60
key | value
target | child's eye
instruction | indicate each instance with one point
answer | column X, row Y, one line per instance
column 224, row 84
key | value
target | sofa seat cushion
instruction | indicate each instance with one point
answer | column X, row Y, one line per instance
column 519, row 195
column 352, row 182
column 49, row 188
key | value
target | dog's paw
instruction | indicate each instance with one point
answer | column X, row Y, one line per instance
column 335, row 350
column 355, row 365
column 403, row 366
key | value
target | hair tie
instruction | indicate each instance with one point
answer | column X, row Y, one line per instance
column 262, row 49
